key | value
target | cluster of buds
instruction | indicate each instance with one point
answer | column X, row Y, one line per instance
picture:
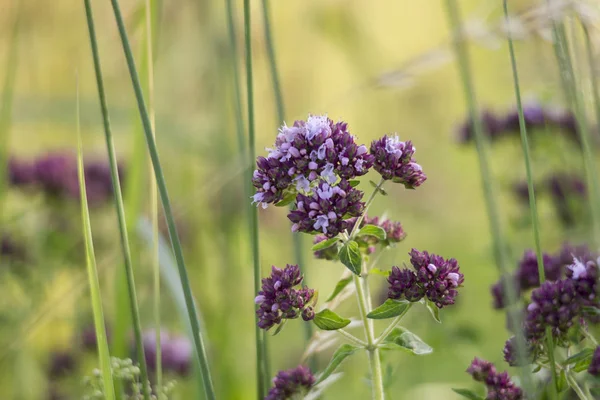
column 292, row 383
column 499, row 386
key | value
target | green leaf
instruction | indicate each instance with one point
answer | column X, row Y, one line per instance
column 433, row 310
column 580, row 360
column 354, row 182
column 380, row 190
column 350, row 256
column 287, row 199
column 390, row 309
column 330, row 321
column 343, row 352
column 408, row 341
column 562, row 383
column 469, row 394
column 325, row 244
column 279, row 327
column 372, row 230
column 342, row 283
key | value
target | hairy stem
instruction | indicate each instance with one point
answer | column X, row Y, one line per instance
column 352, row 338
column 391, row 326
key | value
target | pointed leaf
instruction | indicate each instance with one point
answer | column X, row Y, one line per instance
column 342, row 283
column 344, row 351
column 580, row 360
column 469, row 394
column 380, row 190
column 350, row 256
column 279, row 327
column 354, row 182
column 325, row 244
column 390, row 309
column 372, row 230
column 287, row 199
column 433, row 310
column 330, row 321
column 408, row 341
column 562, row 383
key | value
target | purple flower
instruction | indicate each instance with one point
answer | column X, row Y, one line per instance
column 56, row 173
column 492, row 127
column 510, row 352
column 311, row 150
column 527, row 273
column 286, row 384
column 533, row 114
column 20, row 173
column 61, row 363
column 554, row 305
column 562, row 188
column 394, row 160
column 88, row 337
column 594, row 368
column 328, row 210
column 436, row 278
column 279, row 300
column 176, row 352
column 499, row 385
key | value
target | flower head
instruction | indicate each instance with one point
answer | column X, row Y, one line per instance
column 499, row 385
column 594, row 368
column 510, row 352
column 329, row 210
column 554, row 305
column 435, row 278
column 279, row 300
column 394, row 161
column 291, row 382
column 312, row 150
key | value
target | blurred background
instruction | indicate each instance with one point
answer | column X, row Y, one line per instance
column 383, row 67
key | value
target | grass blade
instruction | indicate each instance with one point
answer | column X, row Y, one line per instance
column 521, row 345
column 162, row 188
column 499, row 244
column 101, row 340
column 261, row 356
column 118, row 198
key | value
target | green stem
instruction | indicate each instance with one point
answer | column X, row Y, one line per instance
column 575, row 386
column 367, row 205
column 391, row 326
column 133, row 303
column 164, row 196
column 239, row 117
column 588, row 335
column 464, row 67
column 352, row 338
column 261, row 373
column 530, row 187
column 372, row 350
column 592, row 66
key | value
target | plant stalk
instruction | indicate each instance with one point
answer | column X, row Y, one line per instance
column 118, row 198
column 391, row 326
column 367, row 205
column 164, row 196
column 261, row 356
column 499, row 244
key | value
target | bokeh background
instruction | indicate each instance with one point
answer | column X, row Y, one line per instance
column 382, row 66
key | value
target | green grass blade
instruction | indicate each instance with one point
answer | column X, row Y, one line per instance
column 280, row 105
column 101, row 340
column 118, row 198
column 499, row 244
column 261, row 356
column 164, row 196
column 532, row 202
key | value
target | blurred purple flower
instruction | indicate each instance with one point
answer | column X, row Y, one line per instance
column 61, row 363
column 176, row 352
column 492, row 127
column 291, row 383
column 594, row 368
column 499, row 385
column 20, row 173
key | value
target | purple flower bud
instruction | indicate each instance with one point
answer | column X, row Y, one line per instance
column 510, row 353
column 61, row 364
column 280, row 300
column 394, row 161
column 290, row 383
column 499, row 385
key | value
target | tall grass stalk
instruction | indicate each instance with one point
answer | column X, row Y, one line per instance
column 101, row 340
column 118, row 198
column 150, row 12
column 531, row 192
column 8, row 90
column 280, row 105
column 592, row 66
column 261, row 356
column 237, row 93
column 499, row 244
column 575, row 98
column 164, row 196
